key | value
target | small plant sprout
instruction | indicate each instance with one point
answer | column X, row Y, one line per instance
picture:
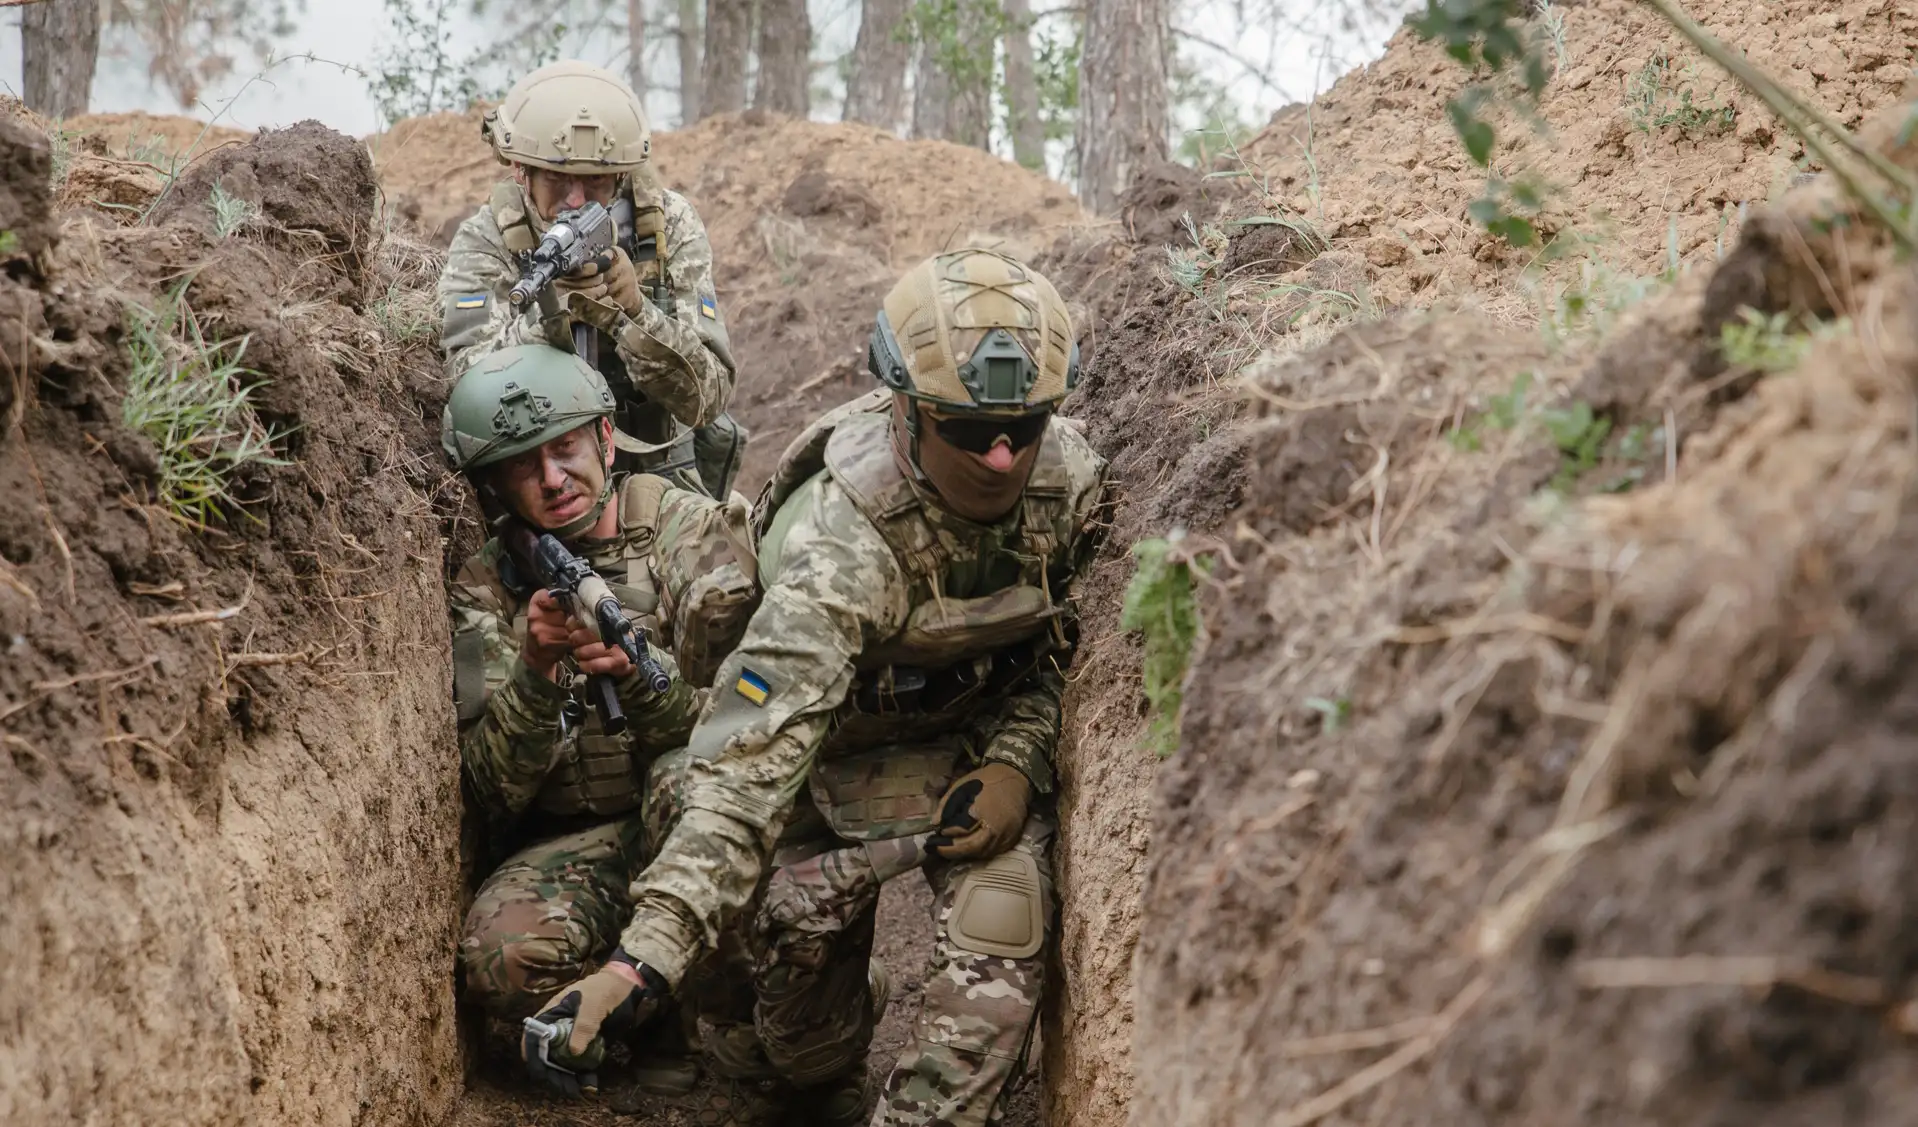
column 1161, row 604
column 1768, row 342
column 1551, row 21
column 152, row 150
column 1659, row 100
column 1333, row 713
column 1579, row 433
column 193, row 399
column 60, row 144
column 230, row 212
column 405, row 314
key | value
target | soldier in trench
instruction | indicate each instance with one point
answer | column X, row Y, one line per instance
column 895, row 702
column 558, row 797
column 572, row 134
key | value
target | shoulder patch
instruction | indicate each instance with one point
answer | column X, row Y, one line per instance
column 752, row 686
column 470, row 301
column 708, row 308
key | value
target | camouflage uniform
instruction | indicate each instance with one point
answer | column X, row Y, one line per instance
column 670, row 367
column 554, row 792
column 896, row 646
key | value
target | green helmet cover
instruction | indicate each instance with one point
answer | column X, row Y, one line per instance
column 519, row 399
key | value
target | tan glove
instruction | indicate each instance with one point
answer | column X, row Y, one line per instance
column 982, row 813
column 621, row 993
column 617, row 283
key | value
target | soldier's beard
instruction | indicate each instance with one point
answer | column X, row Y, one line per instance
column 964, row 483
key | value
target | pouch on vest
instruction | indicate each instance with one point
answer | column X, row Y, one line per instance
column 887, row 792
column 944, row 632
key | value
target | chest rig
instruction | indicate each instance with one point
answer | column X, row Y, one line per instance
column 984, row 618
column 593, row 774
column 662, row 445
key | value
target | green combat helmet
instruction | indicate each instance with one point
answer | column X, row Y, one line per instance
column 570, row 117
column 976, row 331
column 519, row 399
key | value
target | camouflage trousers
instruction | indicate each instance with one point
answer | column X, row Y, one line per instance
column 812, row 1016
column 547, row 915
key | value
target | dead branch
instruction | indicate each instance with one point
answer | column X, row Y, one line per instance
column 1370, row 1077
column 299, row 657
column 1356, row 1040
column 1755, row 972
column 89, row 678
column 193, row 617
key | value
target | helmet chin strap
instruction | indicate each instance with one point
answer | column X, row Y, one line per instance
column 918, row 472
column 572, row 529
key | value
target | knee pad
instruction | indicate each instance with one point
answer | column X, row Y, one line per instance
column 999, row 908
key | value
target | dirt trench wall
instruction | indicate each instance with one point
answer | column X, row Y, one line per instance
column 228, row 843
column 1604, row 811
column 1151, row 409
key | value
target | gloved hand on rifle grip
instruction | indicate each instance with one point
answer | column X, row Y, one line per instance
column 982, row 814
column 608, row 279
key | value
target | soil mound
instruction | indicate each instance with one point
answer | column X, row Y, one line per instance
column 231, row 803
column 1536, row 759
column 810, row 223
column 306, row 181
column 158, row 138
column 1375, row 162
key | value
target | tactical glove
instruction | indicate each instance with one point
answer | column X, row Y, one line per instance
column 619, row 995
column 982, row 813
column 616, row 283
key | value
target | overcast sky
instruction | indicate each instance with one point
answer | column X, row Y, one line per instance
column 1274, row 64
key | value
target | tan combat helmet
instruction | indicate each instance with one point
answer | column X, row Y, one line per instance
column 974, row 330
column 570, row 117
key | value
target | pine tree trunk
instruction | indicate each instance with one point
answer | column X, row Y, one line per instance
column 931, row 96
column 952, row 92
column 1122, row 98
column 59, row 40
column 729, row 33
column 785, row 58
column 689, row 53
column 636, row 47
column 972, row 80
column 1022, row 88
column 876, row 86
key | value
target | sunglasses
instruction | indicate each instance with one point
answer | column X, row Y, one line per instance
column 977, row 435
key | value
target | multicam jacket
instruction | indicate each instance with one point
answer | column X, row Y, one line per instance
column 889, row 630
column 533, row 755
column 670, row 366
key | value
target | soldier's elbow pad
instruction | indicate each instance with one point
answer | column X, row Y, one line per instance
column 999, row 907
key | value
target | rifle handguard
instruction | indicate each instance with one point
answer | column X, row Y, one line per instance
column 577, row 237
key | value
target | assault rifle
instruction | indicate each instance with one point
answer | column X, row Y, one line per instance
column 590, row 601
column 577, row 237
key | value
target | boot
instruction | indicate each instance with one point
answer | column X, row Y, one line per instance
column 841, row 1103
column 665, row 1062
column 732, row 1102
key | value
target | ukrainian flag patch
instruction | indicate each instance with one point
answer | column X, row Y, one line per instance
column 470, row 301
column 708, row 308
column 752, row 686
